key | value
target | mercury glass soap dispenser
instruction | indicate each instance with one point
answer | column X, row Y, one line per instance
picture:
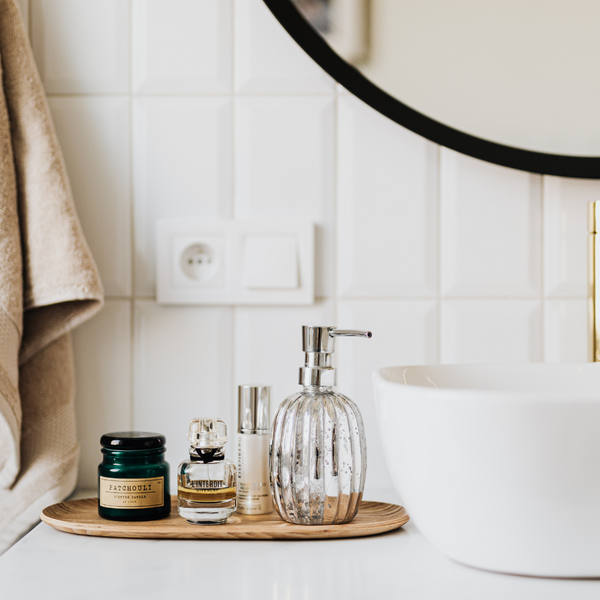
column 318, row 454
column 206, row 483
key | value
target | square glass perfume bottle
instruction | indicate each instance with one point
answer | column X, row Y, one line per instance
column 206, row 483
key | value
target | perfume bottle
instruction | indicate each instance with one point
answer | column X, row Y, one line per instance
column 254, row 429
column 206, row 483
column 318, row 455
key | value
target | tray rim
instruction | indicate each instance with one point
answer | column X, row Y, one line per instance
column 246, row 530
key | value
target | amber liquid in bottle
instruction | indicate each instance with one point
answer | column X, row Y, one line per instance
column 206, row 495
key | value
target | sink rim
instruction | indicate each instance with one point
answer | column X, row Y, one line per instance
column 384, row 376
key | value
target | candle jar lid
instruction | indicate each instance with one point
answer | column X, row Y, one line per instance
column 133, row 440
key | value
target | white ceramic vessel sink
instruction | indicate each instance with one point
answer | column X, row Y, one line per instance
column 499, row 466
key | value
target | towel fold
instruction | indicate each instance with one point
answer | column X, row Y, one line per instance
column 48, row 285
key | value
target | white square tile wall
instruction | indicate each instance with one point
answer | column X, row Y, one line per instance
column 95, row 137
column 82, row 46
column 490, row 228
column 102, row 352
column 207, row 109
column 565, row 248
column 491, row 331
column 565, row 330
column 387, row 214
column 182, row 46
column 285, row 168
column 267, row 60
column 181, row 370
column 181, row 168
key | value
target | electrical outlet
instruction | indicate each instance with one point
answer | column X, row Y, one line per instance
column 234, row 262
column 198, row 260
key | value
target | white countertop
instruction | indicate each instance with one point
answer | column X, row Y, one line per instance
column 53, row 565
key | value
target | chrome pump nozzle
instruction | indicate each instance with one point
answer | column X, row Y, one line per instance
column 318, row 344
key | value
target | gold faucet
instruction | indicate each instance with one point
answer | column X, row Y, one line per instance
column 593, row 282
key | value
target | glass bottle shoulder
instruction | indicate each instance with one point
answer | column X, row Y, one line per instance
column 221, row 473
column 314, row 395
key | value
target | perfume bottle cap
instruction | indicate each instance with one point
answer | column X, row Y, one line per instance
column 253, row 408
column 207, row 433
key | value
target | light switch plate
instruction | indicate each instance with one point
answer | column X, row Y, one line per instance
column 234, row 262
column 270, row 261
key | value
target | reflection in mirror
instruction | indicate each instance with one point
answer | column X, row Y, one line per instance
column 345, row 25
column 523, row 74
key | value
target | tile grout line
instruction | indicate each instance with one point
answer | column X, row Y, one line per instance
column 131, row 232
column 541, row 268
column 233, row 108
column 233, row 364
column 383, row 298
column 336, row 203
column 439, row 253
column 187, row 95
column 232, row 206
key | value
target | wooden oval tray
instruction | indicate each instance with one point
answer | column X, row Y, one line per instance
column 81, row 517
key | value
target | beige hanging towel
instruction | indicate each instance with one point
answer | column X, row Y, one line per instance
column 49, row 284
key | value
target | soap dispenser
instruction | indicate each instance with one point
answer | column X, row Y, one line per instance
column 318, row 452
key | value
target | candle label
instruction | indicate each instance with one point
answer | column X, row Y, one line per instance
column 132, row 493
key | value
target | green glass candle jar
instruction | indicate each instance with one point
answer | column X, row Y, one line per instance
column 133, row 477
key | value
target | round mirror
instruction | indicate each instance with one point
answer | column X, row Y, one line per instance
column 514, row 83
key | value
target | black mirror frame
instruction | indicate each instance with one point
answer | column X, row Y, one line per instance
column 314, row 45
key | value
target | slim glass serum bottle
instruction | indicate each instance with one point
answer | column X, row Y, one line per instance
column 254, row 428
column 206, row 483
